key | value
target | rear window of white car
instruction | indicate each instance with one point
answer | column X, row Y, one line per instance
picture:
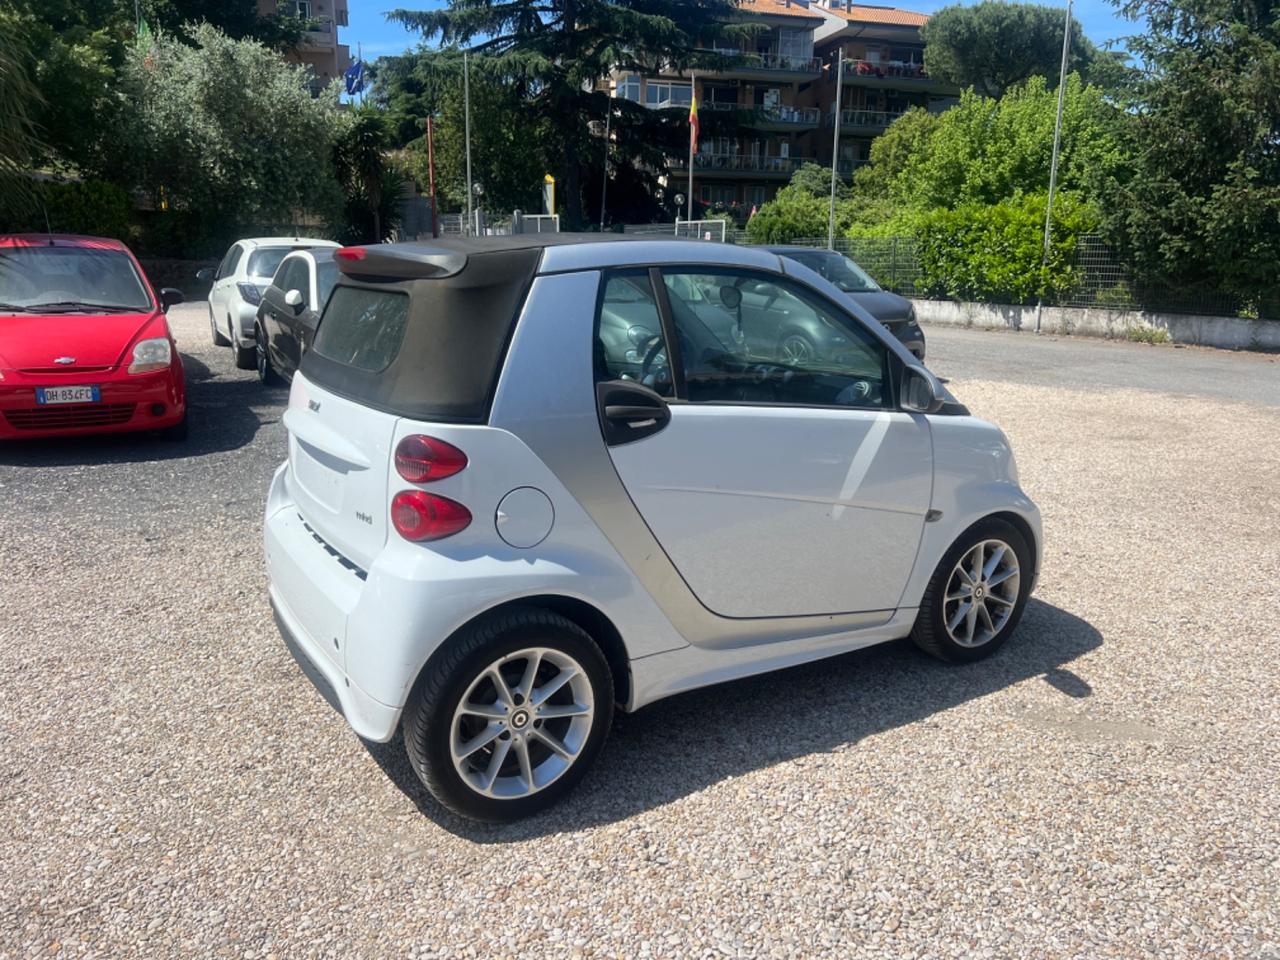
column 264, row 261
column 363, row 328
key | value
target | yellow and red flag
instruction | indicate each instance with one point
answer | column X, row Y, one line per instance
column 693, row 120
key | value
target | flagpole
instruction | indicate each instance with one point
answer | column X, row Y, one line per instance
column 835, row 153
column 360, row 61
column 693, row 90
column 1053, row 162
column 431, row 177
column 466, row 111
column 604, row 184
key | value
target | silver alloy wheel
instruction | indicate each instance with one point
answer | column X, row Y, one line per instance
column 981, row 593
column 796, row 349
column 522, row 723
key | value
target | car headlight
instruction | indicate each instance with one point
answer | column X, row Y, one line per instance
column 149, row 355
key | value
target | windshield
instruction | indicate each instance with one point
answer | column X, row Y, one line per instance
column 837, row 268
column 67, row 278
column 264, row 261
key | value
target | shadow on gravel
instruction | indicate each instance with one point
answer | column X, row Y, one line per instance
column 220, row 418
column 686, row 743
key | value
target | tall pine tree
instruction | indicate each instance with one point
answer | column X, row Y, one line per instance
column 555, row 52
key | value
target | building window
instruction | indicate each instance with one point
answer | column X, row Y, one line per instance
column 297, row 8
column 340, row 15
column 628, row 88
column 795, row 44
column 661, row 93
column 755, row 196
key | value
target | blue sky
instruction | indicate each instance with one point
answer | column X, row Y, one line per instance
column 377, row 37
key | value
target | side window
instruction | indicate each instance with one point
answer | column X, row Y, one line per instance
column 228, row 265
column 756, row 338
column 628, row 337
column 293, row 276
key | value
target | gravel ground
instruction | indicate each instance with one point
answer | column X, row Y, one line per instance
column 1104, row 787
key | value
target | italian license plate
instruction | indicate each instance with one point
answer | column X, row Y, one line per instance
column 81, row 394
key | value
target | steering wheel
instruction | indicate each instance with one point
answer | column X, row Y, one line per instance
column 655, row 346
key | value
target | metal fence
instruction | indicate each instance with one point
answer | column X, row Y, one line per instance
column 1101, row 280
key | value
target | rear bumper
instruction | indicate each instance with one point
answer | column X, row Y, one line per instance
column 245, row 315
column 127, row 404
column 312, row 596
column 366, row 716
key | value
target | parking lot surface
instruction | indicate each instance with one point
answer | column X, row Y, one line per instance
column 1108, row 785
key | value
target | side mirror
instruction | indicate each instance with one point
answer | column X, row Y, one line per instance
column 169, row 296
column 921, row 391
column 206, row 275
column 294, row 299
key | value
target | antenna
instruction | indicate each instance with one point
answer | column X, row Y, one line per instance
column 47, row 228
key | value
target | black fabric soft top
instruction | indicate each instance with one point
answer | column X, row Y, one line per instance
column 459, row 324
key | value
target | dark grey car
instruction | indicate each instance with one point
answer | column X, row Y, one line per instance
column 893, row 311
column 290, row 310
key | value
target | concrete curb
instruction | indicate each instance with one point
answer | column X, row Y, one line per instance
column 1228, row 333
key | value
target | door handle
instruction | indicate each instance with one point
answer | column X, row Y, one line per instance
column 629, row 414
column 629, row 411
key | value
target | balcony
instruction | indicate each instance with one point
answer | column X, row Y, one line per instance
column 855, row 122
column 891, row 74
column 780, row 119
column 320, row 33
column 768, row 66
column 738, row 165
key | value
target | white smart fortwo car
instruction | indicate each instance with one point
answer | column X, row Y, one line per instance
column 530, row 478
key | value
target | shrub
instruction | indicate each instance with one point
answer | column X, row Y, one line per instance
column 993, row 252
column 793, row 214
column 92, row 207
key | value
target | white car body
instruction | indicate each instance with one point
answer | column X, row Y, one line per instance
column 737, row 540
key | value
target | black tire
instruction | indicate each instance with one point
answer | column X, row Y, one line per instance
column 177, row 433
column 429, row 714
column 245, row 357
column 215, row 334
column 267, row 375
column 930, row 632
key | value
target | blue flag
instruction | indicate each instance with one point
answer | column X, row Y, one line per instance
column 355, row 78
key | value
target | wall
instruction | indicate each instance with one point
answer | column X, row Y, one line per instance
column 1229, row 333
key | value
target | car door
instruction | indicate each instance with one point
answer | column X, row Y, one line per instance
column 323, row 277
column 775, row 488
column 294, row 274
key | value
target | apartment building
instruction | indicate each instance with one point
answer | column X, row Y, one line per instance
column 884, row 76
column 319, row 49
column 782, row 94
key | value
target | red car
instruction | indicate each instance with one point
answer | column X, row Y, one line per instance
column 84, row 343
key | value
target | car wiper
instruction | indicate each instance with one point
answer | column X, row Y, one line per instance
column 67, row 306
column 14, row 308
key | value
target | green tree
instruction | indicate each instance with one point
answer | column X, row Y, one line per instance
column 18, row 142
column 226, row 131
column 554, row 53
column 815, row 180
column 370, row 182
column 796, row 214
column 1200, row 202
column 986, row 151
column 993, row 45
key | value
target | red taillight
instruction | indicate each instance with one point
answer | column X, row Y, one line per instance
column 419, row 516
column 421, row 459
column 350, row 253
